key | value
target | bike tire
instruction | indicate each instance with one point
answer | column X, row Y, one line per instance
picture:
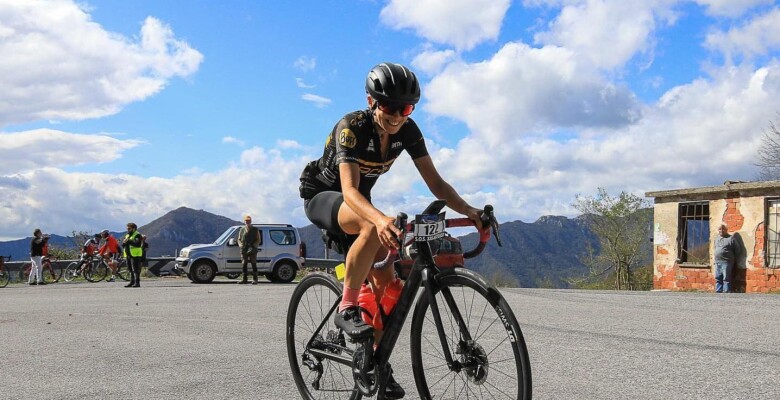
column 49, row 273
column 71, row 272
column 24, row 272
column 95, row 272
column 4, row 278
column 312, row 299
column 123, row 271
column 494, row 362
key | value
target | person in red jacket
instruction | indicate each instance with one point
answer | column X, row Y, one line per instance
column 109, row 251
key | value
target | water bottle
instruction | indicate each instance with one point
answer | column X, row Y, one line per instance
column 367, row 301
column 390, row 297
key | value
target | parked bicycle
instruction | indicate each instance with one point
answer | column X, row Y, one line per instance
column 4, row 275
column 50, row 274
column 94, row 269
column 465, row 339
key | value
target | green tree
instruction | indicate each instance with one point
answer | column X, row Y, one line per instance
column 768, row 158
column 621, row 223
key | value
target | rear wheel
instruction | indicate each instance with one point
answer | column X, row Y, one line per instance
column 490, row 359
column 4, row 278
column 50, row 275
column 24, row 272
column 232, row 275
column 311, row 349
column 284, row 272
column 95, row 272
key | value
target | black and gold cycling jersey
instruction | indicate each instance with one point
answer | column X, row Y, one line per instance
column 355, row 140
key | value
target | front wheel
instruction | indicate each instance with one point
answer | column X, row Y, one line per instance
column 71, row 272
column 320, row 356
column 490, row 359
column 122, row 271
column 24, row 272
column 4, row 278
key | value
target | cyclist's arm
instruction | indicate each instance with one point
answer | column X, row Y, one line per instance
column 442, row 190
column 350, row 179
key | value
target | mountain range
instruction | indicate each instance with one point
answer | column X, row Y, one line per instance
column 545, row 253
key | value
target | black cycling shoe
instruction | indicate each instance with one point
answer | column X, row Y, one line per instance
column 393, row 389
column 350, row 321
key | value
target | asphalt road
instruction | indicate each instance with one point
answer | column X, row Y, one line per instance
column 171, row 339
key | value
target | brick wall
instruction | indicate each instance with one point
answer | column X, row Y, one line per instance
column 744, row 217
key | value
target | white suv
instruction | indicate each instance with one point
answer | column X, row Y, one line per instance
column 279, row 257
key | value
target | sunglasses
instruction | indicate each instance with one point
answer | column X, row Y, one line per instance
column 391, row 107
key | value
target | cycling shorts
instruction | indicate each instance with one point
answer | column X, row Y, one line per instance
column 323, row 210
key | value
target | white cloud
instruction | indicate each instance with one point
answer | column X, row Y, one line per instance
column 301, row 84
column 697, row 134
column 232, row 140
column 38, row 148
column 262, row 182
column 305, row 63
column 288, row 144
column 432, row 62
column 459, row 23
column 318, row 101
column 607, row 33
column 522, row 90
column 67, row 67
column 731, row 8
column 758, row 36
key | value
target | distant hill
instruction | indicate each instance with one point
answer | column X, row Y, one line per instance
column 181, row 227
column 545, row 253
column 19, row 249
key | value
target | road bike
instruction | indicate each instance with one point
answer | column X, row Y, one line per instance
column 90, row 266
column 50, row 273
column 465, row 340
column 4, row 275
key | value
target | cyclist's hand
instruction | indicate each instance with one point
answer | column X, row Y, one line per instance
column 387, row 232
column 475, row 214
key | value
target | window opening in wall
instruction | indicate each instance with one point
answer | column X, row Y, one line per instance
column 773, row 233
column 694, row 233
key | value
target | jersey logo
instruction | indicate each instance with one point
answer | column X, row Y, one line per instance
column 371, row 146
column 347, row 139
column 396, row 145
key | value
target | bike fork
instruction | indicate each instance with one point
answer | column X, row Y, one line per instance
column 433, row 304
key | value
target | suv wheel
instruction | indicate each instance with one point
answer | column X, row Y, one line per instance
column 284, row 272
column 202, row 272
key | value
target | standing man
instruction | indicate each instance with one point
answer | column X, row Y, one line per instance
column 36, row 255
column 248, row 242
column 132, row 243
column 725, row 258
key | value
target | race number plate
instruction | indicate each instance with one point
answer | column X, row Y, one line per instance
column 428, row 227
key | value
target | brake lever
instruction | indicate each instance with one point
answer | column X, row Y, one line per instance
column 491, row 220
column 400, row 223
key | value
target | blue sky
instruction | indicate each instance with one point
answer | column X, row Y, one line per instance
column 112, row 111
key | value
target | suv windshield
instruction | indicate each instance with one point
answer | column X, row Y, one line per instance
column 223, row 236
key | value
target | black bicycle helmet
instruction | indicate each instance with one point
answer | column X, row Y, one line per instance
column 393, row 83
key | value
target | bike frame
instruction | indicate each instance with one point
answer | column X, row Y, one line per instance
column 422, row 274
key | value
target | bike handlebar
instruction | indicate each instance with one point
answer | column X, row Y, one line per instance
column 489, row 223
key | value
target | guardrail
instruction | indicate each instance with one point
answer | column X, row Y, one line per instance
column 155, row 265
